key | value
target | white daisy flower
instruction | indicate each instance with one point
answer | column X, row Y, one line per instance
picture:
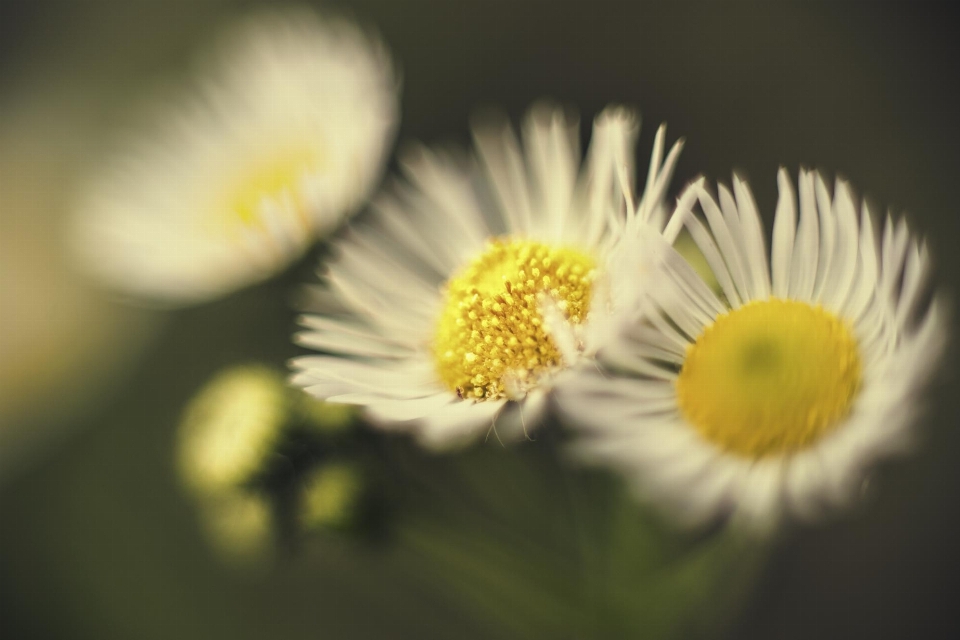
column 776, row 397
column 476, row 284
column 286, row 134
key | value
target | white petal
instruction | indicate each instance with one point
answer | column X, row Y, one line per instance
column 651, row 207
column 915, row 273
column 802, row 485
column 710, row 251
column 728, row 247
column 806, row 250
column 519, row 420
column 365, row 347
column 828, row 236
column 456, row 424
column 614, row 136
column 760, row 494
column 841, row 280
column 387, row 411
column 552, row 149
column 500, row 155
column 752, row 230
column 784, row 232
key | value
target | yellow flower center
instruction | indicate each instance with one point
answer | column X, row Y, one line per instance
column 770, row 378
column 273, row 178
column 491, row 341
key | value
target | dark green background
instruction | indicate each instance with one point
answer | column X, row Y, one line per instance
column 96, row 540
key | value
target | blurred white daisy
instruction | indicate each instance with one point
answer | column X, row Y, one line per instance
column 478, row 282
column 774, row 398
column 230, row 430
column 286, row 134
column 233, row 428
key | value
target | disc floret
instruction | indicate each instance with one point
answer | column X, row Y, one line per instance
column 770, row 378
column 492, row 340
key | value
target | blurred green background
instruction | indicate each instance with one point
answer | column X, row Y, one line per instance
column 96, row 537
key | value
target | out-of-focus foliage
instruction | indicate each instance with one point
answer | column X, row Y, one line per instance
column 543, row 551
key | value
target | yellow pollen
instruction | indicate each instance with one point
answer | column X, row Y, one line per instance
column 770, row 378
column 277, row 176
column 491, row 341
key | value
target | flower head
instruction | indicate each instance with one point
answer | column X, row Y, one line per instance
column 284, row 136
column 477, row 283
column 776, row 396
